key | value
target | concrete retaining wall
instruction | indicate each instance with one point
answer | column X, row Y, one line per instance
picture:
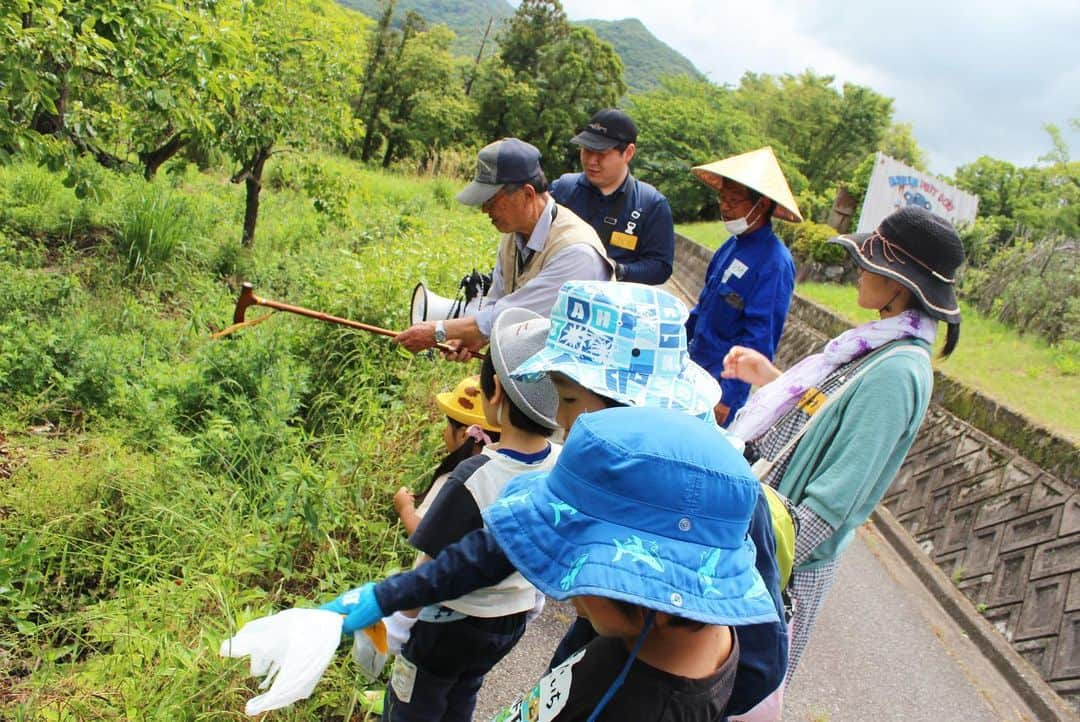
column 989, row 496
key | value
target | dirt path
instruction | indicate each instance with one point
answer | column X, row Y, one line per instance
column 527, row 663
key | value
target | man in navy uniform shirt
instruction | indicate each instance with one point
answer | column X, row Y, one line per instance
column 632, row 218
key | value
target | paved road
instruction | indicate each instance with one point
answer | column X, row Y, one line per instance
column 884, row 650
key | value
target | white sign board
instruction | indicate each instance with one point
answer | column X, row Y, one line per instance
column 895, row 185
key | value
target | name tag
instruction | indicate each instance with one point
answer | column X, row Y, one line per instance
column 403, row 678
column 623, row 240
column 811, row 401
column 736, row 268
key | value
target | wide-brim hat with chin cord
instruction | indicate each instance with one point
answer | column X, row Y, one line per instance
column 918, row 249
column 627, row 342
column 517, row 334
column 759, row 170
column 642, row 506
column 464, row 404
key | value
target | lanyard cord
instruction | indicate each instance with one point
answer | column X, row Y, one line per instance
column 649, row 619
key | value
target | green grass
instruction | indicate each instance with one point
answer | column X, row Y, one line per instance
column 709, row 234
column 1023, row 372
column 159, row 489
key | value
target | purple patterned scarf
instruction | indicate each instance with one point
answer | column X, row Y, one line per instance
column 777, row 397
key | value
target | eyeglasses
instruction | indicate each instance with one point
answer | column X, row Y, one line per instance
column 730, row 201
column 502, row 192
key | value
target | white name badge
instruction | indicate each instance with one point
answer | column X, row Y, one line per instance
column 736, row 268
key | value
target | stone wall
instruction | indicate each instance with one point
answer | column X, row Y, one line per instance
column 989, row 496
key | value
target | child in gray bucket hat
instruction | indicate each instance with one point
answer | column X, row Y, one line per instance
column 453, row 645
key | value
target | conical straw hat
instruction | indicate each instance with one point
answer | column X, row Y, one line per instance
column 759, row 170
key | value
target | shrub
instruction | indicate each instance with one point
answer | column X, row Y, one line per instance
column 151, row 229
column 1032, row 285
column 808, row 242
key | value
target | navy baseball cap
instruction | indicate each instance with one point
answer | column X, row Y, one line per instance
column 505, row 161
column 606, row 129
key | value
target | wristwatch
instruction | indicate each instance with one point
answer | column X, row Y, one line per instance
column 440, row 332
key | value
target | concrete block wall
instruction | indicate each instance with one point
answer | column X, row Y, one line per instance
column 990, row 497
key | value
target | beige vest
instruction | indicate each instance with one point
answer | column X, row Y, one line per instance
column 566, row 230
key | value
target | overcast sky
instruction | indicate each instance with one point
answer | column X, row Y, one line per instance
column 973, row 78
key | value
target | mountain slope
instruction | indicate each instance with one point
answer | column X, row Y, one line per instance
column 645, row 58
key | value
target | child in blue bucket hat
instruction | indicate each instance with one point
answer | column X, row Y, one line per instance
column 642, row 523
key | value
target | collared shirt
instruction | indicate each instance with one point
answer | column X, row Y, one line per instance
column 578, row 262
column 744, row 302
column 642, row 241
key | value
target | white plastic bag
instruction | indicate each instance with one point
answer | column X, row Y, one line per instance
column 292, row 648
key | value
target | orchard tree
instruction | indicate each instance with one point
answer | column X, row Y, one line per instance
column 124, row 81
column 294, row 89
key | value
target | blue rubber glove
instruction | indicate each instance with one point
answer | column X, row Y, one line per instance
column 360, row 607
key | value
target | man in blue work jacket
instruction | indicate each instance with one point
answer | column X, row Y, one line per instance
column 750, row 278
column 632, row 218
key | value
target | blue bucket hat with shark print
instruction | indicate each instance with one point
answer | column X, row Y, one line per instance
column 644, row 505
column 625, row 341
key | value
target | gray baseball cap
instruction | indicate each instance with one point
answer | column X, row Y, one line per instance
column 517, row 334
column 505, row 161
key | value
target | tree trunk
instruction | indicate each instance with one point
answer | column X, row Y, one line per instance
column 253, row 184
column 152, row 160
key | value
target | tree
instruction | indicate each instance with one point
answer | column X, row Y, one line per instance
column 536, row 25
column 688, row 122
column 548, row 79
column 899, row 143
column 828, row 131
column 120, row 80
column 293, row 90
column 428, row 112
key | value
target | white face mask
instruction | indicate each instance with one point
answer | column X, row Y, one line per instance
column 739, row 225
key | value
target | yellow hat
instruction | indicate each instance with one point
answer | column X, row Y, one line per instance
column 464, row 405
column 759, row 170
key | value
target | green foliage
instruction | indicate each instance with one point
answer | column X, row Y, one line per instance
column 646, row 59
column 161, row 489
column 547, row 81
column 808, row 241
column 1033, row 285
column 150, row 231
column 827, row 131
column 686, row 123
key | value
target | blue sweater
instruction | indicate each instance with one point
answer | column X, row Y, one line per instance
column 744, row 302
column 644, row 223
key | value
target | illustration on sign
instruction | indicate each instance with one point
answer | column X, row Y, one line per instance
column 894, row 185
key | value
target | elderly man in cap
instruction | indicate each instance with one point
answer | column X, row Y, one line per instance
column 632, row 218
column 750, row 278
column 543, row 246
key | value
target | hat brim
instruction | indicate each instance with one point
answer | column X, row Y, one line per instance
column 693, row 390
column 444, row 401
column 937, row 298
column 567, row 553
column 477, row 194
column 594, row 141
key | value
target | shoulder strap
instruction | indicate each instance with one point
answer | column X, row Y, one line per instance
column 612, row 220
column 762, row 467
